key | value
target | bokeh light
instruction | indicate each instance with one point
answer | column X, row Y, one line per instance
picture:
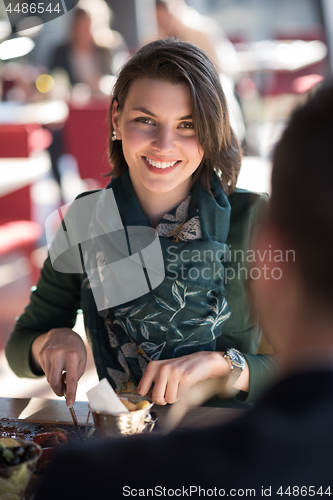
column 44, row 83
column 17, row 47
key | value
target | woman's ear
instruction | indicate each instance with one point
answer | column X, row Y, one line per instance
column 116, row 118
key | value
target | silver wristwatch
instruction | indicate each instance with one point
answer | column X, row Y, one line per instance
column 238, row 363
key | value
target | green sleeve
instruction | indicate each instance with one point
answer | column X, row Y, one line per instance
column 241, row 331
column 263, row 369
column 53, row 304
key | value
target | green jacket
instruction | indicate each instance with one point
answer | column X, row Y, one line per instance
column 56, row 299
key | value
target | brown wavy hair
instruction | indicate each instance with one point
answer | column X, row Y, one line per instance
column 181, row 62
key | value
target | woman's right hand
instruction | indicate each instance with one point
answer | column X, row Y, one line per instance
column 59, row 350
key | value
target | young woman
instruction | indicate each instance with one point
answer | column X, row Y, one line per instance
column 175, row 160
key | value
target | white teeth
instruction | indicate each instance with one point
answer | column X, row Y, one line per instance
column 160, row 164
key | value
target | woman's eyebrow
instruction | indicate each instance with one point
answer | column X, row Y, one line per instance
column 150, row 113
column 145, row 111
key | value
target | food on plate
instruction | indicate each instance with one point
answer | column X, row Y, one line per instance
column 130, row 406
column 14, row 452
column 142, row 404
column 46, row 457
column 135, row 406
column 18, row 460
column 46, row 435
column 51, row 439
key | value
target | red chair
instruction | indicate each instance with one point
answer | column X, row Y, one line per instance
column 19, row 234
column 17, row 239
column 85, row 136
column 16, row 141
column 17, row 229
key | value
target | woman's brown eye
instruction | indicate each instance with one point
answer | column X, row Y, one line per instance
column 187, row 125
column 144, row 120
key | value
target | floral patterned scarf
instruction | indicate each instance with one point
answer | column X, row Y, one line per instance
column 185, row 313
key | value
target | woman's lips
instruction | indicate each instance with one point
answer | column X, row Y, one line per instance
column 161, row 171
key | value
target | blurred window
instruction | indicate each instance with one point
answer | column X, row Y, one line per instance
column 253, row 20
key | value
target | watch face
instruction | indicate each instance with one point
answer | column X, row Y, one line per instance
column 237, row 358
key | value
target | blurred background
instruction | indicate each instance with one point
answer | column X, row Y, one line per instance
column 57, row 68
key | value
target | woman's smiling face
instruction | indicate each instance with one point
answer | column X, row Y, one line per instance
column 158, row 139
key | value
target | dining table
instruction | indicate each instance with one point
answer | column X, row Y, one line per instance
column 16, row 173
column 281, row 55
column 43, row 112
column 54, row 412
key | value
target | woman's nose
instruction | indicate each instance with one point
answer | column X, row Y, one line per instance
column 163, row 140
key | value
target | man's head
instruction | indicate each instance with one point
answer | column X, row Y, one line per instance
column 301, row 205
column 298, row 232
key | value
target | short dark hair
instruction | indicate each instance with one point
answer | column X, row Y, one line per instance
column 161, row 3
column 78, row 13
column 301, row 204
column 181, row 62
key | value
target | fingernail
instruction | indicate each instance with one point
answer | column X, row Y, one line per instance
column 69, row 402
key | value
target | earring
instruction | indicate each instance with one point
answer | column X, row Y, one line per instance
column 114, row 135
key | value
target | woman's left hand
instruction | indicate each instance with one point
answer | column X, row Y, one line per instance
column 172, row 377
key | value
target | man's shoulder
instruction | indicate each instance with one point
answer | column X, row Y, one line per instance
column 244, row 201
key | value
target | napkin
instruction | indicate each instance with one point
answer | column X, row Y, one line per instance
column 34, row 406
column 102, row 398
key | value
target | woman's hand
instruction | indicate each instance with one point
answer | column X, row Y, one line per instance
column 60, row 350
column 172, row 377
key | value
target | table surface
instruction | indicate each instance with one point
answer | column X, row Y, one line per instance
column 16, row 173
column 281, row 55
column 55, row 411
column 43, row 112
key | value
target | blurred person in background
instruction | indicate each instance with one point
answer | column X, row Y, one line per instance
column 92, row 52
column 177, row 19
column 93, row 49
column 283, row 447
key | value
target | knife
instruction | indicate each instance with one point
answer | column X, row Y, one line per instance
column 71, row 409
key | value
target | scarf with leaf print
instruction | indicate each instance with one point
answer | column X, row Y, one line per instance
column 186, row 312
